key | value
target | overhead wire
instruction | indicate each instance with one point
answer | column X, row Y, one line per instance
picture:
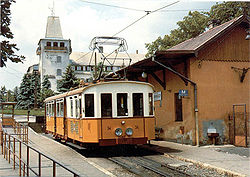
column 147, row 13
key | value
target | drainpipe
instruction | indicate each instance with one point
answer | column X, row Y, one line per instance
column 195, row 97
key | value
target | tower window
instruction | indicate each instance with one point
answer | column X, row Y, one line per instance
column 59, row 59
column 55, row 44
column 58, row 72
column 48, row 44
column 61, row 44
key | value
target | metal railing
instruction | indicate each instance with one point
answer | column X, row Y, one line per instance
column 11, row 148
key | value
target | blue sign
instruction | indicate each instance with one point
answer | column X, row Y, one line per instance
column 183, row 92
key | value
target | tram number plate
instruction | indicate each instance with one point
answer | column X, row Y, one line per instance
column 124, row 141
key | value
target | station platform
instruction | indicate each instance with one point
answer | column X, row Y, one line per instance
column 224, row 158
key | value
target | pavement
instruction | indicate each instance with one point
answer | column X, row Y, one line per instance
column 232, row 160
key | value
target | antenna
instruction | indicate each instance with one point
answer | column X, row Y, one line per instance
column 52, row 9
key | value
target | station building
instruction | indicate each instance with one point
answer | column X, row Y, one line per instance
column 197, row 82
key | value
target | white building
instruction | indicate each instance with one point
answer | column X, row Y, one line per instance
column 55, row 54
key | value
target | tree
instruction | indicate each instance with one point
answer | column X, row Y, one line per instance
column 7, row 48
column 29, row 91
column 46, row 83
column 192, row 25
column 196, row 23
column 45, row 91
column 25, row 98
column 227, row 11
column 15, row 93
column 3, row 92
column 69, row 80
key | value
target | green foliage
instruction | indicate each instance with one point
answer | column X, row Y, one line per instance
column 7, row 49
column 45, row 92
column 196, row 23
column 192, row 25
column 227, row 11
column 69, row 80
column 46, row 83
column 3, row 92
column 28, row 91
column 15, row 93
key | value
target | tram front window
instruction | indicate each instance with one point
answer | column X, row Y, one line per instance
column 122, row 108
column 89, row 105
column 137, row 104
column 106, row 105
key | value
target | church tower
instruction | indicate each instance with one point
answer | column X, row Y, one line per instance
column 53, row 51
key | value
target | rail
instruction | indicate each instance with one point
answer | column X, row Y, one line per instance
column 9, row 149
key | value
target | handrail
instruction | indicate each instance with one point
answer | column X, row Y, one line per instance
column 7, row 151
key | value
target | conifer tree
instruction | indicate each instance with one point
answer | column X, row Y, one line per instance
column 69, row 80
column 46, row 83
column 45, row 91
column 25, row 98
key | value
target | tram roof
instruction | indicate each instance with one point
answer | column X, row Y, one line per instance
column 80, row 90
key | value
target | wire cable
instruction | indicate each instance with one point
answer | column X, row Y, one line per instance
column 127, row 8
column 147, row 13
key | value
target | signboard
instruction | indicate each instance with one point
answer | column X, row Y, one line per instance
column 183, row 92
column 157, row 96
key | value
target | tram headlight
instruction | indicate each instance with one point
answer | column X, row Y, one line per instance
column 129, row 131
column 118, row 132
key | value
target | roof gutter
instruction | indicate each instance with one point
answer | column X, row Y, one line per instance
column 195, row 97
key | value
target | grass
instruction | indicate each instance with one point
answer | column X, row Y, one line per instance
column 33, row 112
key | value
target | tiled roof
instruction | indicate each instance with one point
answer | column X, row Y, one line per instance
column 194, row 44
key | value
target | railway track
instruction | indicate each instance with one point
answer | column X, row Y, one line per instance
column 146, row 167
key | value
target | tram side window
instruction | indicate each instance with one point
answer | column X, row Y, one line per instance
column 77, row 106
column 122, row 107
column 61, row 109
column 57, row 109
column 150, row 103
column 106, row 105
column 89, row 105
column 71, row 107
column 137, row 104
column 52, row 109
column 47, row 109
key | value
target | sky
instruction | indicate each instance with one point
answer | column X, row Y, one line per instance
column 81, row 21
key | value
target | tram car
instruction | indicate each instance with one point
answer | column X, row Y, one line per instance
column 104, row 114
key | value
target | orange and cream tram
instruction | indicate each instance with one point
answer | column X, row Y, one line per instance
column 105, row 114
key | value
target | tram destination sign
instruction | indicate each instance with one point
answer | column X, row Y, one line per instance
column 157, row 96
column 183, row 92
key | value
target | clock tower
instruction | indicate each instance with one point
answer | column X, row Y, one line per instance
column 53, row 51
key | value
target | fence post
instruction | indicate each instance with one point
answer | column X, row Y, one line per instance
column 9, row 148
column 27, row 160
column 39, row 164
column 20, row 160
column 1, row 140
column 14, row 153
column 5, row 150
column 54, row 169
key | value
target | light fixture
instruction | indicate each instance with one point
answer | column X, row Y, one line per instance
column 129, row 131
column 118, row 132
column 144, row 75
